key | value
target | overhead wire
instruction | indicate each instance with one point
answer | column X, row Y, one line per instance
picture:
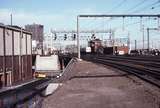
column 117, row 6
column 145, row 7
column 129, row 24
column 114, row 8
column 137, row 5
column 155, row 6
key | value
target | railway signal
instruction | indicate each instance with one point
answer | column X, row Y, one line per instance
column 74, row 36
column 65, row 36
column 55, row 36
column 93, row 36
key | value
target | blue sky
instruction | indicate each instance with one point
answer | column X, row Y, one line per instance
column 61, row 14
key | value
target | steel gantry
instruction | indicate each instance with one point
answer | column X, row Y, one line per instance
column 74, row 32
column 148, row 37
column 109, row 15
column 82, row 31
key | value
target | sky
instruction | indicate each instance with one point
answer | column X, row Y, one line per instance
column 61, row 14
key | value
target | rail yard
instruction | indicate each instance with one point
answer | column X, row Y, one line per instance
column 80, row 54
column 100, row 78
column 93, row 85
column 146, row 68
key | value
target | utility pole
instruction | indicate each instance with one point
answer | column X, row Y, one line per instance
column 11, row 19
column 135, row 44
column 158, row 23
column 128, row 41
column 113, row 40
column 148, row 36
column 148, row 44
column 143, row 35
column 148, row 39
column 52, row 42
column 78, row 45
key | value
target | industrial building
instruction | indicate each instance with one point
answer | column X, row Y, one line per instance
column 15, row 56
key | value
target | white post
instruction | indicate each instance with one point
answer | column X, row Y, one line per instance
column 158, row 23
column 78, row 45
column 11, row 19
column 143, row 35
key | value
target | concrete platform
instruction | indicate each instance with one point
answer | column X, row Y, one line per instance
column 88, row 85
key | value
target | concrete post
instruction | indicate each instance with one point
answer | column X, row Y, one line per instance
column 78, row 45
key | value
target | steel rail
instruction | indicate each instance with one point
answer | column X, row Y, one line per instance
column 145, row 63
column 150, row 76
column 144, row 70
column 140, row 58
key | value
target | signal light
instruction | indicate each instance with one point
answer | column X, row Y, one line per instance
column 55, row 36
column 93, row 36
column 65, row 36
column 74, row 36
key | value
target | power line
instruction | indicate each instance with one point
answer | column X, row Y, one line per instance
column 137, row 5
column 155, row 6
column 129, row 24
column 139, row 10
column 117, row 6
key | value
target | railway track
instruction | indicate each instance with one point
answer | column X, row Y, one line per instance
column 145, row 68
column 147, row 62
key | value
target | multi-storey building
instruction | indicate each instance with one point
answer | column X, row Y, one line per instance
column 37, row 33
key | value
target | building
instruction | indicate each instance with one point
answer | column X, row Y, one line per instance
column 37, row 34
column 15, row 56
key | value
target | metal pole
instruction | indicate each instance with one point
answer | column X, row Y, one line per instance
column 158, row 23
column 52, row 42
column 31, row 53
column 11, row 19
column 113, row 40
column 128, row 44
column 122, row 15
column 123, row 24
column 78, row 45
column 148, row 38
column 143, row 35
column 135, row 44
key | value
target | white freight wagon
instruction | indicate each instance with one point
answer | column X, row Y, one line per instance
column 47, row 66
